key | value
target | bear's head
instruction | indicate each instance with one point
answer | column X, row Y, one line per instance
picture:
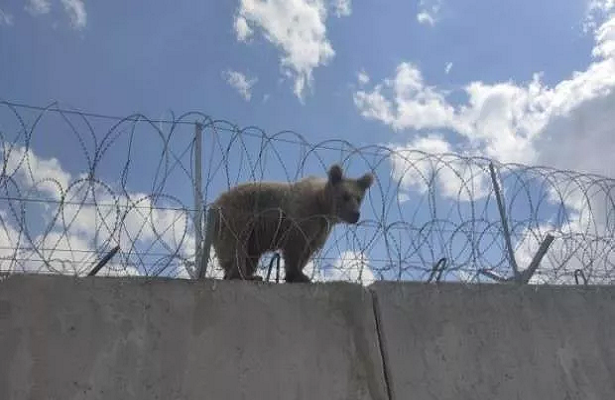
column 346, row 194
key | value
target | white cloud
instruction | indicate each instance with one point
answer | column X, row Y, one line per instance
column 457, row 179
column 9, row 238
column 448, row 67
column 342, row 8
column 242, row 29
column 76, row 12
column 75, row 9
column 297, row 28
column 374, row 105
column 363, row 78
column 411, row 105
column 38, row 7
column 33, row 172
column 597, row 12
column 428, row 11
column 127, row 219
column 240, row 82
column 425, row 18
column 505, row 120
column 6, row 19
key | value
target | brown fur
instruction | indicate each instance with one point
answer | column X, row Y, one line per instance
column 296, row 218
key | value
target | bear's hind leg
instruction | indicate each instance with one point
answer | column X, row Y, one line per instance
column 251, row 266
column 241, row 268
column 235, row 266
column 230, row 269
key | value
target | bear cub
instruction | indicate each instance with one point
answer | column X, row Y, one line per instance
column 296, row 218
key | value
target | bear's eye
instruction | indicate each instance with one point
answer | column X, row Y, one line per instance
column 346, row 197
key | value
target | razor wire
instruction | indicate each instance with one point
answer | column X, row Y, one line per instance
column 128, row 185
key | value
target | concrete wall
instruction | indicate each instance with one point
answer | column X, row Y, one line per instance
column 119, row 338
column 101, row 338
column 456, row 341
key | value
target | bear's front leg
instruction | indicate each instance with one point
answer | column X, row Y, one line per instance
column 295, row 259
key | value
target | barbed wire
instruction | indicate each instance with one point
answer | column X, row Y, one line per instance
column 130, row 182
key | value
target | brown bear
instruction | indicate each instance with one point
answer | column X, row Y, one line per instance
column 296, row 218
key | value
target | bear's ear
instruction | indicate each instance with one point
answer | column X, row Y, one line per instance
column 335, row 174
column 366, row 181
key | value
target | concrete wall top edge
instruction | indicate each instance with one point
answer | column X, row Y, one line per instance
column 378, row 286
column 456, row 286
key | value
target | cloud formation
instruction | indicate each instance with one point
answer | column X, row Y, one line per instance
column 297, row 28
column 429, row 11
column 74, row 9
column 240, row 82
column 342, row 8
column 512, row 122
column 363, row 78
column 38, row 7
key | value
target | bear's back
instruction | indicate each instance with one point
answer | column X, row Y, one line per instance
column 256, row 196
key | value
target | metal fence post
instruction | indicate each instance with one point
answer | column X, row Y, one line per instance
column 527, row 274
column 104, row 261
column 198, row 197
column 202, row 266
column 502, row 209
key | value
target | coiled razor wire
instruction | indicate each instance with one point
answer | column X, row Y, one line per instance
column 123, row 201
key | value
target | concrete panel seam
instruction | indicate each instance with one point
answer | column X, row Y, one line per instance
column 381, row 345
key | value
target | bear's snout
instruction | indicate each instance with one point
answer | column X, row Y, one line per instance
column 354, row 217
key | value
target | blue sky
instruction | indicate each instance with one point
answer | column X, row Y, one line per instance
column 435, row 75
column 151, row 59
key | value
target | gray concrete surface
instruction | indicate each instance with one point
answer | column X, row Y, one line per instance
column 101, row 338
column 126, row 338
column 496, row 342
